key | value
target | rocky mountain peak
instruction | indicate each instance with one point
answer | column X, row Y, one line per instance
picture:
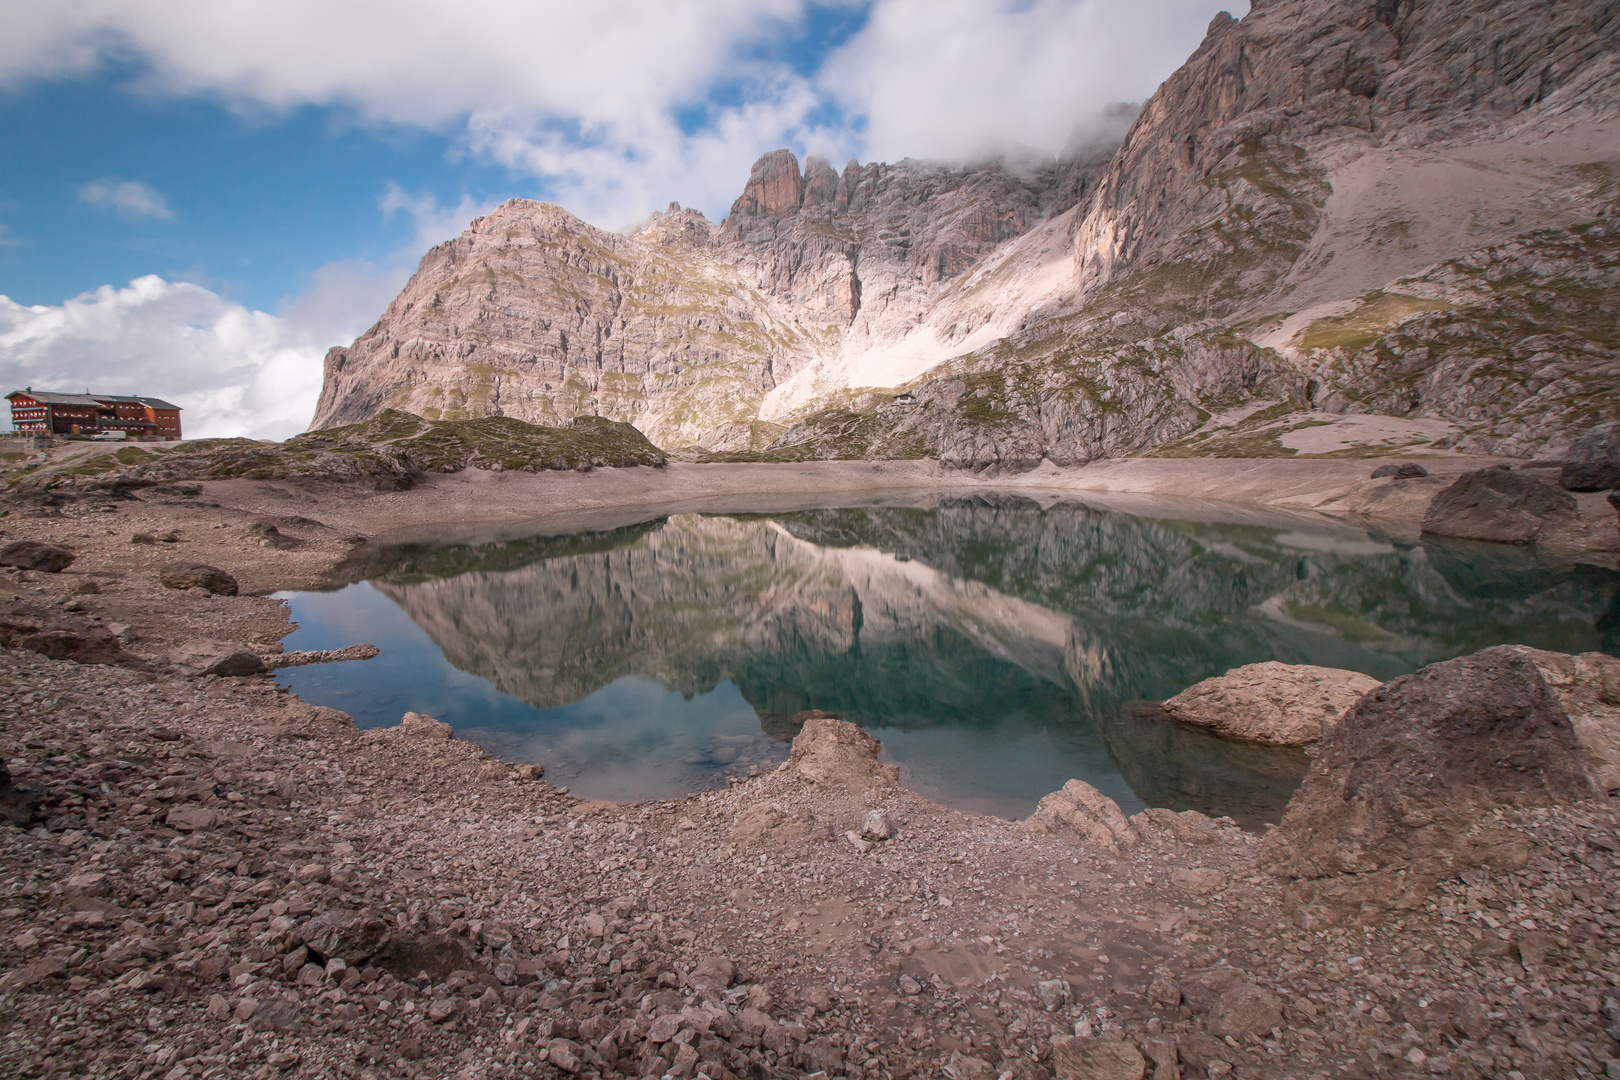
column 1347, row 205
column 775, row 189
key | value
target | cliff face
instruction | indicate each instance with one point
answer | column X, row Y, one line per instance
column 1395, row 206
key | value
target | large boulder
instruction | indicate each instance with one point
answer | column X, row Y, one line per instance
column 1078, row 807
column 36, row 555
column 828, row 750
column 193, row 575
column 1397, row 783
column 1588, row 687
column 1593, row 461
column 1501, row 505
column 1272, row 703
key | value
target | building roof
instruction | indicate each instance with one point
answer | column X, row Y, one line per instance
column 46, row 398
column 150, row 402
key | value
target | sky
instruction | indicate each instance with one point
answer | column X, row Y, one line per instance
column 199, row 197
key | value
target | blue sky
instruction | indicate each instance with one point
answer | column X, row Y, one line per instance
column 198, row 197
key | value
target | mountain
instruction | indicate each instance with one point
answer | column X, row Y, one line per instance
column 1403, row 208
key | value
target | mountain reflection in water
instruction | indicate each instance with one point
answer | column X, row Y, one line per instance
column 997, row 647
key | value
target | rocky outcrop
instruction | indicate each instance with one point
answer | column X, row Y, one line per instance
column 1272, row 703
column 1407, row 772
column 1078, row 807
column 828, row 750
column 1499, row 504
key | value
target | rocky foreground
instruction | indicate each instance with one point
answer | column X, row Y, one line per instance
column 205, row 876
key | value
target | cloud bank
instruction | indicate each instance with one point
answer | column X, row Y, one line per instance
column 610, row 108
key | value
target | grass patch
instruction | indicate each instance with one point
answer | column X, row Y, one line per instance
column 1354, row 331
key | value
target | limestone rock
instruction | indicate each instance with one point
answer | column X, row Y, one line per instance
column 203, row 657
column 1074, row 1058
column 1244, row 1010
column 1416, row 761
column 1079, row 807
column 350, row 936
column 191, row 575
column 1498, row 504
column 418, row 726
column 35, row 555
column 1272, row 703
column 1593, row 461
column 828, row 750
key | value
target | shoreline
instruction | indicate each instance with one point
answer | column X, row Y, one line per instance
column 210, row 846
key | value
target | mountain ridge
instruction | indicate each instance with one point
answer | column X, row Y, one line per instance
column 1344, row 207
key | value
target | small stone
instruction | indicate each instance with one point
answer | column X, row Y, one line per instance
column 1053, row 994
column 36, row 555
column 595, row 925
column 664, row 1028
column 1196, row 880
column 877, row 826
column 190, row 575
column 218, row 1007
column 1075, row 1058
column 276, row 1013
column 441, row 1010
column 1244, row 1010
column 1165, row 992
column 909, row 986
column 191, row 818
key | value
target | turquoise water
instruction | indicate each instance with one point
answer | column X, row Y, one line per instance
column 997, row 647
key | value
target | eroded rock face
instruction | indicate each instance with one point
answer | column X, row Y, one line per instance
column 1499, row 504
column 1594, row 460
column 1588, row 687
column 1272, row 703
column 1398, row 781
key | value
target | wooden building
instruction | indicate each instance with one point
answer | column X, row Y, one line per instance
column 47, row 413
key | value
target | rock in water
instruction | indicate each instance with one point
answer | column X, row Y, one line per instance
column 1082, row 808
column 35, row 555
column 1399, row 780
column 1593, row 461
column 1272, row 703
column 1498, row 504
column 833, row 751
column 191, row 575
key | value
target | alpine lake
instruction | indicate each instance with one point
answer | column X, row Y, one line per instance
column 998, row 646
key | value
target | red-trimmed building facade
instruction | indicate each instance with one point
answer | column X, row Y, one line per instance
column 47, row 413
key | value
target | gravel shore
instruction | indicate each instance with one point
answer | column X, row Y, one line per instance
column 212, row 878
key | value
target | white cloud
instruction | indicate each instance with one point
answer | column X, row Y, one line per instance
column 586, row 97
column 130, row 198
column 434, row 223
column 951, row 79
column 233, row 370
